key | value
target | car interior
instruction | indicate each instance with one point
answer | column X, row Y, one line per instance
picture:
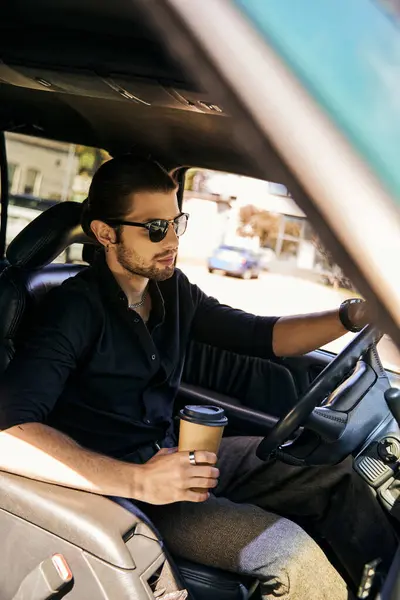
column 108, row 82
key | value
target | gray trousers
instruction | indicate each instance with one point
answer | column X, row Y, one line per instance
column 245, row 528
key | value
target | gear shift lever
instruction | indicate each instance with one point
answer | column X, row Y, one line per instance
column 392, row 397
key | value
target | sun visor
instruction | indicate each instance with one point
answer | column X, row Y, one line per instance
column 138, row 90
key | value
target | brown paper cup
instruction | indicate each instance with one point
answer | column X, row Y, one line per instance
column 194, row 434
column 199, row 437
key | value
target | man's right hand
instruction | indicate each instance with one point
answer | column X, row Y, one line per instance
column 169, row 476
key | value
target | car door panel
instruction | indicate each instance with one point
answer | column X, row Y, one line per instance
column 254, row 392
column 243, row 420
column 305, row 368
column 256, row 383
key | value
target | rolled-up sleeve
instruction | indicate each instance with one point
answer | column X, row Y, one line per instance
column 36, row 376
column 230, row 328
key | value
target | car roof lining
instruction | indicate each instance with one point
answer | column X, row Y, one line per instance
column 90, row 50
column 118, row 126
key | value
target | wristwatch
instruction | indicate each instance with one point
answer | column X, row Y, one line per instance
column 344, row 315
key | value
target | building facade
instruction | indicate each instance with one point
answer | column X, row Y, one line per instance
column 42, row 168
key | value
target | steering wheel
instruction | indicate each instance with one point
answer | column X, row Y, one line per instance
column 323, row 385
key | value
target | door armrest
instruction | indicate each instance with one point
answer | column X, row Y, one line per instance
column 89, row 521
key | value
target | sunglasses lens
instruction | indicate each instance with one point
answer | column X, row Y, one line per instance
column 158, row 230
column 180, row 225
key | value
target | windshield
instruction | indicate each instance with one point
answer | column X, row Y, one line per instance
column 347, row 54
column 291, row 273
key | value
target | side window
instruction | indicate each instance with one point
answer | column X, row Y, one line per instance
column 43, row 172
column 249, row 245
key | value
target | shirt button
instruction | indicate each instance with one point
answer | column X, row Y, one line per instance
column 136, row 320
column 153, row 357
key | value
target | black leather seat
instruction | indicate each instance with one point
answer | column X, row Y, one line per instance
column 22, row 285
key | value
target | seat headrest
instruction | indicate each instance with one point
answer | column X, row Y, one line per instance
column 47, row 236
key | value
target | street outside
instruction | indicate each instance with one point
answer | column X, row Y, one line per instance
column 275, row 294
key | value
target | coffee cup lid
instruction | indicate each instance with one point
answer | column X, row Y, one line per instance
column 210, row 416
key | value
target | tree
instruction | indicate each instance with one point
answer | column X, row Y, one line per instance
column 266, row 226
column 189, row 176
column 196, row 180
column 334, row 273
column 90, row 159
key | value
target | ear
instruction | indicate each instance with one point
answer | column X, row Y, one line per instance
column 105, row 234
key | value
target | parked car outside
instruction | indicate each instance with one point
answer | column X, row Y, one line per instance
column 237, row 261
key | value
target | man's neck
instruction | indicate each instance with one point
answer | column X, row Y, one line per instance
column 132, row 285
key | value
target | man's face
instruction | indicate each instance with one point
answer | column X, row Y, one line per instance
column 135, row 253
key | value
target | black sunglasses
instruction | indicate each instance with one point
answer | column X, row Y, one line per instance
column 157, row 228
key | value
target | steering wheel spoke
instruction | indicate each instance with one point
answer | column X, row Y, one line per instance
column 322, row 422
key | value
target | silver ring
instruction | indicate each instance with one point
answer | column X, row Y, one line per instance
column 192, row 458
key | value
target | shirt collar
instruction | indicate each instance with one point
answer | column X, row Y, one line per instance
column 110, row 287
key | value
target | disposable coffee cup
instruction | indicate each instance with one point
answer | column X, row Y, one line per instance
column 201, row 428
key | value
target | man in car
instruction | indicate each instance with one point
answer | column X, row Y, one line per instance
column 88, row 402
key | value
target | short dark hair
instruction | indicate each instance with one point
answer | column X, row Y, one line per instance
column 116, row 180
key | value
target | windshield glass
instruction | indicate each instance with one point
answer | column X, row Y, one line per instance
column 261, row 254
column 347, row 54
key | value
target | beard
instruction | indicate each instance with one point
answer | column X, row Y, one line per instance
column 134, row 264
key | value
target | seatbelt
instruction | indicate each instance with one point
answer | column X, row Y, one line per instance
column 3, row 194
column 46, row 580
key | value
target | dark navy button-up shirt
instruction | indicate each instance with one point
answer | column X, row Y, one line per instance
column 94, row 370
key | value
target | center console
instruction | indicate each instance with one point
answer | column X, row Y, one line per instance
column 379, row 461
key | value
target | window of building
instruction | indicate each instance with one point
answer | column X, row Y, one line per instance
column 14, row 173
column 32, row 183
